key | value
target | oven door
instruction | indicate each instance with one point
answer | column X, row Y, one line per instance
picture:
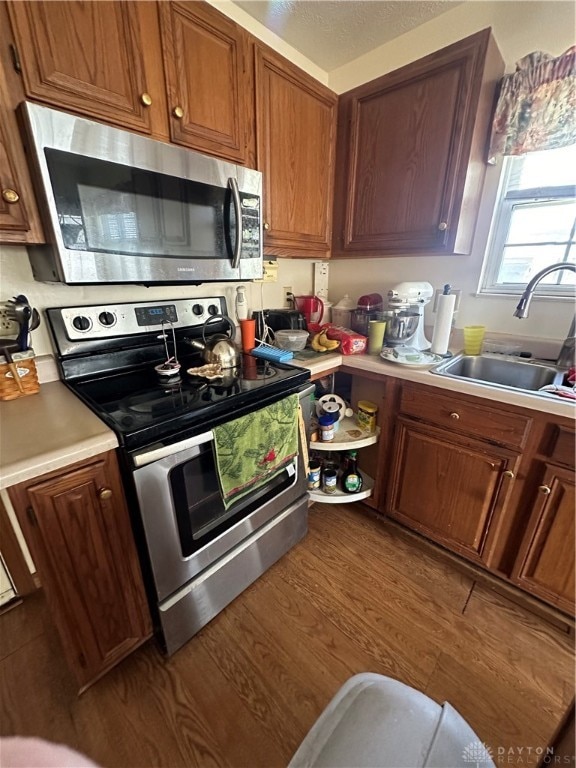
column 186, row 524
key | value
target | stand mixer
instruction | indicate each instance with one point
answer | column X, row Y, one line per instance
column 405, row 315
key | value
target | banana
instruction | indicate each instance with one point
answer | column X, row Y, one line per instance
column 316, row 345
column 328, row 344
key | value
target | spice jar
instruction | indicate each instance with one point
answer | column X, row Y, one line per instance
column 366, row 416
column 326, row 427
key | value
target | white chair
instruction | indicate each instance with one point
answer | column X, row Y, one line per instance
column 376, row 722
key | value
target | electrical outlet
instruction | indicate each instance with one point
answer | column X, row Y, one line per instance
column 321, row 279
column 7, row 326
column 287, row 293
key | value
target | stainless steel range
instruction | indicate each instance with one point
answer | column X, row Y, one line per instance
column 197, row 551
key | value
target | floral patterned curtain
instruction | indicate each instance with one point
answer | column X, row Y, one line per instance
column 536, row 108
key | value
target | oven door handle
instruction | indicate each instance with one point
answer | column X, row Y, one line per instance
column 141, row 459
column 233, row 184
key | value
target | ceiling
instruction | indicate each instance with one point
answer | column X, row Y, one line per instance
column 332, row 33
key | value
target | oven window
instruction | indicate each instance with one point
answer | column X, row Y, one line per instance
column 106, row 207
column 200, row 512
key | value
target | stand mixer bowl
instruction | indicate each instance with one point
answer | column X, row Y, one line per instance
column 401, row 326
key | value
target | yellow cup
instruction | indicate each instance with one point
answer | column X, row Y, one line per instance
column 473, row 338
column 376, row 330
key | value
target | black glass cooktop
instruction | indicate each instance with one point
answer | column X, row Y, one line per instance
column 143, row 409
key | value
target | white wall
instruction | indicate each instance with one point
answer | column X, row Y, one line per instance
column 16, row 277
column 519, row 28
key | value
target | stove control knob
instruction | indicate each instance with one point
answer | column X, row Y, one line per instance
column 82, row 323
column 106, row 318
column 198, row 309
column 213, row 310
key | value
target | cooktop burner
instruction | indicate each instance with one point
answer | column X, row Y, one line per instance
column 112, row 368
column 141, row 408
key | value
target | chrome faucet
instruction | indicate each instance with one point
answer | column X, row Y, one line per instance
column 566, row 356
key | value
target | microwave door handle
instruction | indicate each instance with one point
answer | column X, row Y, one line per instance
column 233, row 184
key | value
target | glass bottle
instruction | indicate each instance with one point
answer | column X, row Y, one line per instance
column 351, row 481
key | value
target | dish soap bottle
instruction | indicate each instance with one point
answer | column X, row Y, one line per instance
column 351, row 481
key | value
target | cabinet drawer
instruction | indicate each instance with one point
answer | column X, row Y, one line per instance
column 562, row 445
column 482, row 421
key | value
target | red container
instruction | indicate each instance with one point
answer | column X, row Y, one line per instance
column 371, row 302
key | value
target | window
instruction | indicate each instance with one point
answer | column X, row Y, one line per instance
column 534, row 224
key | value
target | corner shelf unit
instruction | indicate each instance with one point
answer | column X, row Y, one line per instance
column 349, row 437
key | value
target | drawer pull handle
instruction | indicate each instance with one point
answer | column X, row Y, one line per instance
column 509, row 473
column 104, row 493
column 455, row 416
column 443, row 226
column 10, row 196
column 545, row 489
column 266, row 226
column 178, row 112
column 146, row 99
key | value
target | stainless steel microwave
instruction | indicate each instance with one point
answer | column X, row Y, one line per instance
column 123, row 208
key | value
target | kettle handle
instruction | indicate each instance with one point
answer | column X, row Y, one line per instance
column 231, row 327
column 320, row 308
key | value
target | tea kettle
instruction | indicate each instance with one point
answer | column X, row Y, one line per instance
column 219, row 348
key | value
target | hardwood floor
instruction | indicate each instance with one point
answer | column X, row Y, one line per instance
column 356, row 595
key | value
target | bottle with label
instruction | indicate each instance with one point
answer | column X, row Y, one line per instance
column 351, row 481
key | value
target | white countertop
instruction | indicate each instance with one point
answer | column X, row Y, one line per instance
column 46, row 431
column 374, row 364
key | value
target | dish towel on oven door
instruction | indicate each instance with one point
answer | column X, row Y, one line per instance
column 252, row 449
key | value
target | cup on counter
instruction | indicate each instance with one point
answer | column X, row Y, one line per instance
column 376, row 330
column 473, row 338
column 248, row 334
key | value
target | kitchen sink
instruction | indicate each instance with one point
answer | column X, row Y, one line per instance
column 501, row 371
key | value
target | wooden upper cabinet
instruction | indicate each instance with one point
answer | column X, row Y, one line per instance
column 296, row 134
column 208, row 66
column 19, row 219
column 86, row 57
column 412, row 152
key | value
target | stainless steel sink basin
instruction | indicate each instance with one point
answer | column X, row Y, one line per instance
column 501, row 371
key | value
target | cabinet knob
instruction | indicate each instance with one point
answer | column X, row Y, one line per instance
column 266, row 225
column 104, row 493
column 455, row 416
column 545, row 489
column 443, row 226
column 10, row 196
column 178, row 112
column 509, row 473
column 146, row 99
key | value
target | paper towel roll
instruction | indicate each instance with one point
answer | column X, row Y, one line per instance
column 443, row 324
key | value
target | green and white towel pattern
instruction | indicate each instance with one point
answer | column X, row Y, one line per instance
column 252, row 449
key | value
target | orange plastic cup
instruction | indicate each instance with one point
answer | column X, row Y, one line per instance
column 248, row 333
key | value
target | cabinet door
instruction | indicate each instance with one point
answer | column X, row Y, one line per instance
column 545, row 564
column 19, row 219
column 85, row 57
column 209, row 80
column 450, row 489
column 79, row 532
column 410, row 148
column 296, row 123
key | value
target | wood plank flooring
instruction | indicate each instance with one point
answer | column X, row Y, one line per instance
column 356, row 595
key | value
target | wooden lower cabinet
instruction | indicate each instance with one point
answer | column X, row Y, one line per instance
column 545, row 564
column 452, row 490
column 491, row 482
column 77, row 526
